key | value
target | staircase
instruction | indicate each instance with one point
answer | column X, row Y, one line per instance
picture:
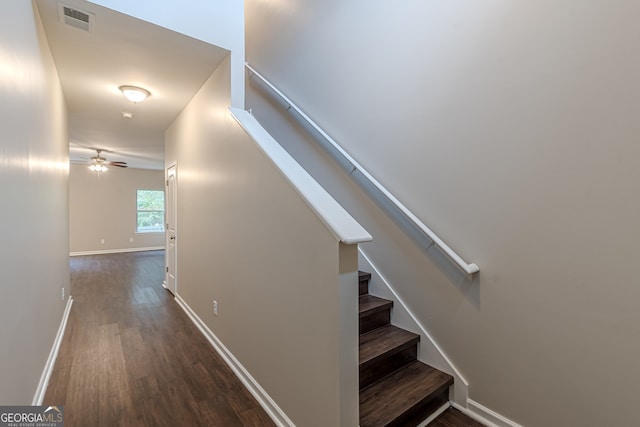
column 395, row 388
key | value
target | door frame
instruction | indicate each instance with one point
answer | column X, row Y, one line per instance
column 173, row 165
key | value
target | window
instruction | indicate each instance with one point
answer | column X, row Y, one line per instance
column 150, row 211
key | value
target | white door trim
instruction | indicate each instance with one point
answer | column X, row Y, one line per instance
column 171, row 241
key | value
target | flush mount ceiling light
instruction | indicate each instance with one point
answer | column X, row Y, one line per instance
column 134, row 94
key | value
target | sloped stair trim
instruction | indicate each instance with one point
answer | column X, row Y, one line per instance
column 485, row 415
column 341, row 224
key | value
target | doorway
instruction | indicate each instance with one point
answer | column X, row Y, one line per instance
column 171, row 236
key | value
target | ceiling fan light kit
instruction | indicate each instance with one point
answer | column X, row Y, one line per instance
column 99, row 163
column 98, row 168
column 134, row 94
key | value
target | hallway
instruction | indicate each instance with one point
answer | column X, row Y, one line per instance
column 131, row 357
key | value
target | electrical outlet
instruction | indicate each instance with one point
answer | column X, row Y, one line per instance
column 62, row 294
column 215, row 307
column 102, row 241
column 130, row 239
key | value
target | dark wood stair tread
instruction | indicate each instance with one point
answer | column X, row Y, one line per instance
column 370, row 304
column 374, row 313
column 363, row 275
column 396, row 390
column 396, row 396
column 363, row 282
column 385, row 341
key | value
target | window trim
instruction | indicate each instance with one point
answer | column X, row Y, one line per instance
column 164, row 209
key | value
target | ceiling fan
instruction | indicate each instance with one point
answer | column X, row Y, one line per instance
column 99, row 163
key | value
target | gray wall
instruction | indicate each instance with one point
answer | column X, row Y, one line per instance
column 103, row 206
column 511, row 129
column 246, row 239
column 34, row 256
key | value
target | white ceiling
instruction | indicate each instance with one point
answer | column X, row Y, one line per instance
column 123, row 51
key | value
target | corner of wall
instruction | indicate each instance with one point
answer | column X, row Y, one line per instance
column 348, row 296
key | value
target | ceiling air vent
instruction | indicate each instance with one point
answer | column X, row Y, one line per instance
column 76, row 18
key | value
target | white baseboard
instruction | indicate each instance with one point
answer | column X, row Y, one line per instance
column 485, row 415
column 268, row 404
column 116, row 251
column 53, row 355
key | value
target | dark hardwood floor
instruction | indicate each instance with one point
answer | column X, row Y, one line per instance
column 131, row 357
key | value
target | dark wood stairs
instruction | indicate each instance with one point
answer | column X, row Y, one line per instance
column 395, row 388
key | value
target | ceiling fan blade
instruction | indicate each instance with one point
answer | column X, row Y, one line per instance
column 118, row 164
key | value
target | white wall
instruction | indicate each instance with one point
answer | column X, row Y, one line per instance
column 247, row 239
column 34, row 256
column 103, row 206
column 510, row 129
column 219, row 22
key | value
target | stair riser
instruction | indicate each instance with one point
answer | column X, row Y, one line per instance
column 375, row 320
column 380, row 368
column 363, row 287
